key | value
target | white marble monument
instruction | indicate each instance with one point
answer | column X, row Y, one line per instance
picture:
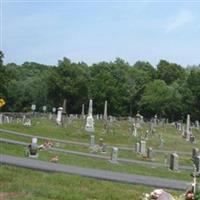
column 89, row 127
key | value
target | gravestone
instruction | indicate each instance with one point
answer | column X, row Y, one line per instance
column 137, row 147
column 54, row 110
column 83, row 111
column 27, row 123
column 50, row 116
column 142, row 147
column 33, row 108
column 183, row 131
column 89, row 127
column 134, row 131
column 59, row 116
column 33, row 148
column 1, row 119
column 138, row 120
column 197, row 163
column 187, row 132
column 155, row 120
column 195, row 152
column 92, row 141
column 44, row 108
column 104, row 147
column 149, row 153
column 173, row 161
column 192, row 139
column 64, row 111
column 197, row 124
column 114, row 155
column 161, row 142
column 105, row 116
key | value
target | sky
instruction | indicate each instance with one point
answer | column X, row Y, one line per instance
column 93, row 31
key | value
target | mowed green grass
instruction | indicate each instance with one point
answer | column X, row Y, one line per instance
column 119, row 136
column 86, row 162
column 18, row 183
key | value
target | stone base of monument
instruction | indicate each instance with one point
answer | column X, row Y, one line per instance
column 89, row 129
column 33, row 156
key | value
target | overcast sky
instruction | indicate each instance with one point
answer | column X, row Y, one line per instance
column 93, row 31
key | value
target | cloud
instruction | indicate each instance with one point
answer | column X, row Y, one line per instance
column 184, row 17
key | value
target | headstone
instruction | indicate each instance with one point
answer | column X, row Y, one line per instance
column 188, row 128
column 138, row 120
column 33, row 107
column 142, row 147
column 104, row 147
column 64, row 107
column 161, row 142
column 44, row 108
column 134, row 131
column 33, row 148
column 7, row 120
column 24, row 119
column 197, row 124
column 1, row 119
column 59, row 116
column 100, row 142
column 183, row 130
column 149, row 153
column 54, row 110
column 173, row 163
column 155, row 120
column 195, row 152
column 192, row 139
column 114, row 155
column 83, row 111
column 89, row 127
column 92, row 141
column 105, row 111
column 137, row 147
column 27, row 123
column 50, row 116
column 197, row 163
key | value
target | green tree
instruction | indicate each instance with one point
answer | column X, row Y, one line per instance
column 169, row 72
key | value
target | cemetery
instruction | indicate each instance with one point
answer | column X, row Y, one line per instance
column 99, row 100
column 158, row 149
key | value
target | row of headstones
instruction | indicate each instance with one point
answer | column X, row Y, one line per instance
column 5, row 119
column 187, row 132
column 9, row 119
column 140, row 147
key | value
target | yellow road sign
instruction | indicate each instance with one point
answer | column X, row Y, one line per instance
column 2, row 103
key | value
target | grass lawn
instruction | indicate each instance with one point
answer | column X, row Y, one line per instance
column 28, row 184
column 18, row 183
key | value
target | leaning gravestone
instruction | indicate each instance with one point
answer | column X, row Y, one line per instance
column 173, row 162
column 114, row 155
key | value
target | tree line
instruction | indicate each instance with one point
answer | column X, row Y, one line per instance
column 168, row 90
